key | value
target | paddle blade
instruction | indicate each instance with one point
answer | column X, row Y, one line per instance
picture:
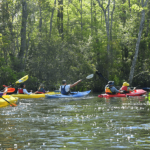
column 23, row 79
column 7, row 96
column 13, row 105
column 90, row 76
column 10, row 90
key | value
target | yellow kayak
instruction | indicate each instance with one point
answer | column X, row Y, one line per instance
column 9, row 98
column 25, row 96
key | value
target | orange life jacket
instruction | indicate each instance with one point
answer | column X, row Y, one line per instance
column 107, row 90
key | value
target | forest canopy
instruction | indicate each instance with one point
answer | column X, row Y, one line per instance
column 52, row 40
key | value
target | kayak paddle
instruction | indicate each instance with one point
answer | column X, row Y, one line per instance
column 13, row 105
column 23, row 79
column 100, row 75
column 89, row 76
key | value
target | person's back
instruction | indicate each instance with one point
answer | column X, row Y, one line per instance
column 107, row 89
column 41, row 90
column 65, row 89
column 110, row 89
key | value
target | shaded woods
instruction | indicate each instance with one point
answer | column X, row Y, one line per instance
column 52, row 40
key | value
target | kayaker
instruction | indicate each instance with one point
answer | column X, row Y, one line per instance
column 125, row 87
column 65, row 89
column 41, row 90
column 23, row 90
column 110, row 89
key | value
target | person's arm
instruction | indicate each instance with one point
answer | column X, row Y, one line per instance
column 117, row 91
column 72, row 85
column 5, row 90
column 26, row 92
column 129, row 89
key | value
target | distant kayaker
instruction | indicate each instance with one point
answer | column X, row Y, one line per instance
column 41, row 90
column 110, row 89
column 23, row 90
column 65, row 89
column 125, row 87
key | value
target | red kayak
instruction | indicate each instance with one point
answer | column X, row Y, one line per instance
column 138, row 92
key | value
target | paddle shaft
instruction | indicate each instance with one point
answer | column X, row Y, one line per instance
column 100, row 75
column 8, row 102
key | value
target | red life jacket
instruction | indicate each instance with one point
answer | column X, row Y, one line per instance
column 20, row 91
column 124, row 88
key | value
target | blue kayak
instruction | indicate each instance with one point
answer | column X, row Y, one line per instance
column 146, row 88
column 72, row 95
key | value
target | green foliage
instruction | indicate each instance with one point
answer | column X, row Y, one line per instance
column 136, row 8
column 77, row 52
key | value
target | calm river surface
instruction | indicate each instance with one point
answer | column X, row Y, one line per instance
column 89, row 123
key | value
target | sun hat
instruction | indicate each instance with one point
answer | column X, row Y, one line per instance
column 125, row 84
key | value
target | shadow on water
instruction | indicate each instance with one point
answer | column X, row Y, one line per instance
column 81, row 123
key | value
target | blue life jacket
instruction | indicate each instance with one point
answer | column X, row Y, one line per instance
column 63, row 91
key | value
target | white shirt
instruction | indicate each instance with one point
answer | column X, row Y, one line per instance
column 25, row 92
column 67, row 88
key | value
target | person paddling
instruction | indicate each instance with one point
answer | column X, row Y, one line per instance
column 125, row 87
column 110, row 89
column 23, row 90
column 65, row 89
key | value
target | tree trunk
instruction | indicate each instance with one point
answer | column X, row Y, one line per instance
column 129, row 6
column 51, row 21
column 40, row 21
column 81, row 21
column 137, row 44
column 60, row 17
column 111, row 47
column 23, row 35
column 107, row 24
column 91, row 17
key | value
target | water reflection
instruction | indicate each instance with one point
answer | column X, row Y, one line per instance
column 87, row 123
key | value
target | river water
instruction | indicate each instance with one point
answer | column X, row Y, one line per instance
column 89, row 123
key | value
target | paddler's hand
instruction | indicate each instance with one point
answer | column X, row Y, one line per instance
column 121, row 92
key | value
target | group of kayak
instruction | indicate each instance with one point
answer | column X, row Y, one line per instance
column 23, row 93
column 64, row 91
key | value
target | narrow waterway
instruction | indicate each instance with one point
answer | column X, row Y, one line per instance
column 81, row 123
